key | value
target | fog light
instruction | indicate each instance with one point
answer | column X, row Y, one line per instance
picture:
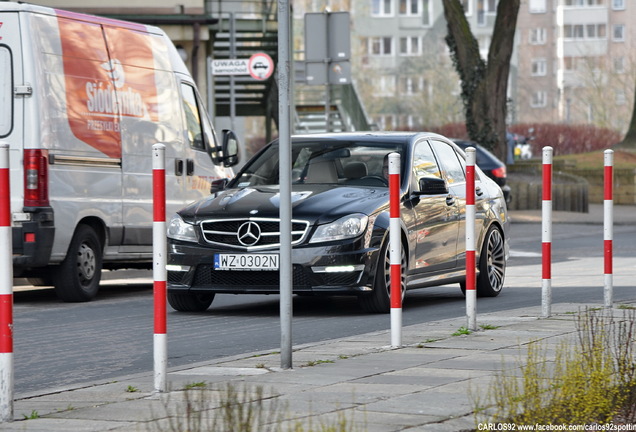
column 177, row 268
column 338, row 269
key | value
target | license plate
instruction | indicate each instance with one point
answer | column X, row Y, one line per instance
column 246, row 261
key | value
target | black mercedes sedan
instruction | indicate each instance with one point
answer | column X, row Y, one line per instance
column 229, row 241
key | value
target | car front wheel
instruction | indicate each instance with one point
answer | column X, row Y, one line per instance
column 186, row 302
column 379, row 301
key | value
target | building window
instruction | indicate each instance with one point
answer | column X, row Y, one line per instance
column 618, row 33
column 467, row 4
column 621, row 98
column 618, row 4
column 539, row 67
column 386, row 86
column 484, row 8
column 583, row 2
column 409, row 7
column 584, row 31
column 539, row 99
column 410, row 46
column 382, row 8
column 410, row 85
column 537, row 6
column 427, row 12
column 538, row 36
column 619, row 65
column 381, row 46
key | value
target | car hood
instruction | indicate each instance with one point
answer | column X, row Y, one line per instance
column 314, row 203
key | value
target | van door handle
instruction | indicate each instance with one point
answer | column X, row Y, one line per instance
column 478, row 191
column 189, row 167
column 450, row 200
column 178, row 167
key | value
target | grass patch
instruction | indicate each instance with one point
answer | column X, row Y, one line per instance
column 589, row 380
column 317, row 362
column 461, row 331
column 246, row 409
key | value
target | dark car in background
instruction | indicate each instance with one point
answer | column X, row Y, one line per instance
column 490, row 164
column 229, row 242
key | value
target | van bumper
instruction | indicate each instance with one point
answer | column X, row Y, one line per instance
column 33, row 241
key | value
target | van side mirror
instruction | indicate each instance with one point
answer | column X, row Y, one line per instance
column 218, row 185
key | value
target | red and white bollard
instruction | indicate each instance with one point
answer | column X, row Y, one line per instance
column 6, row 290
column 546, row 235
column 608, row 230
column 395, row 250
column 159, row 273
column 471, row 281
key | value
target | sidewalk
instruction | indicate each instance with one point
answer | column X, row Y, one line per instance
column 623, row 215
column 428, row 384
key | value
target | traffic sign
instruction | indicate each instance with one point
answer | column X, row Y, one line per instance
column 260, row 66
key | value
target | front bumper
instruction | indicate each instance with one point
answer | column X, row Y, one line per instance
column 336, row 269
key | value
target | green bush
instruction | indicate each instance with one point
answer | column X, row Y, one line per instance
column 590, row 380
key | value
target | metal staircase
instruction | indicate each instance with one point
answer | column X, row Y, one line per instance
column 240, row 35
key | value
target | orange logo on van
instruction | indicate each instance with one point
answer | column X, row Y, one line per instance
column 104, row 92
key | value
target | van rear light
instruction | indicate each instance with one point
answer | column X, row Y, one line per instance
column 36, row 178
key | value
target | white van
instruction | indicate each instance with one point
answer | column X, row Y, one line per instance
column 82, row 101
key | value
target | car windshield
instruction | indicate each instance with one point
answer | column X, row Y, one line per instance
column 324, row 162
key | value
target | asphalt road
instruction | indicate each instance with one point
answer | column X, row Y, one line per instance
column 60, row 345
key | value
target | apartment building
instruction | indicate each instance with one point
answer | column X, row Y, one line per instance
column 577, row 61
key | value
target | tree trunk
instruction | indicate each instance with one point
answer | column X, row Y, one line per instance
column 484, row 84
column 629, row 141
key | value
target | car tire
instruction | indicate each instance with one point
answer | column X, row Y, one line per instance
column 492, row 264
column 379, row 301
column 77, row 278
column 186, row 302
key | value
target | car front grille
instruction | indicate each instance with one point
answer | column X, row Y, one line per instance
column 250, row 233
column 206, row 276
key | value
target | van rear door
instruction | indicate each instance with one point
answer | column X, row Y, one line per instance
column 13, row 91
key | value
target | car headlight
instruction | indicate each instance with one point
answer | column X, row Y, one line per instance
column 178, row 229
column 346, row 227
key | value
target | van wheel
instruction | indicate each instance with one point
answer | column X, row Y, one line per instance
column 186, row 302
column 379, row 301
column 77, row 278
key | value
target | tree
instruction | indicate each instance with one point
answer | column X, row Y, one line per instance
column 629, row 141
column 484, row 83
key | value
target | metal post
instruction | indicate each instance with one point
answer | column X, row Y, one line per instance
column 471, row 282
column 608, row 230
column 286, row 282
column 159, row 251
column 395, row 250
column 546, row 235
column 6, row 290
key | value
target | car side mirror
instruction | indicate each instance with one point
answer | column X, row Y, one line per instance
column 432, row 186
column 218, row 185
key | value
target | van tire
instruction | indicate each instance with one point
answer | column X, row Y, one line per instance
column 77, row 278
column 186, row 302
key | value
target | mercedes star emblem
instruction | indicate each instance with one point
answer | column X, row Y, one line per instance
column 249, row 233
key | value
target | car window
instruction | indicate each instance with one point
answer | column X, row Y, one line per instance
column 450, row 163
column 323, row 162
column 424, row 163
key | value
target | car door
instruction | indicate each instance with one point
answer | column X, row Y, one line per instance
column 436, row 216
column 453, row 169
